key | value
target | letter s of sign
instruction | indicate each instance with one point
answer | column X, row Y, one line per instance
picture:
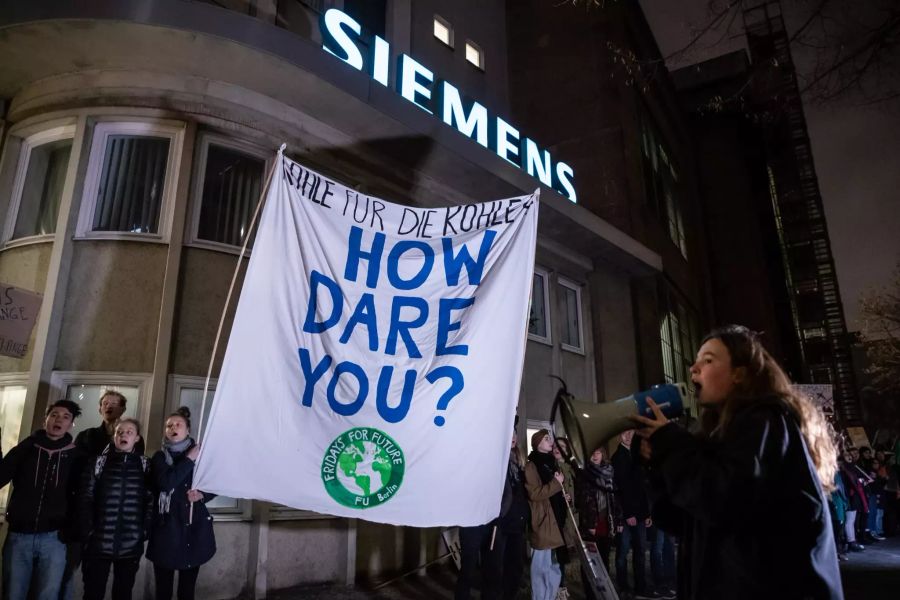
column 9, row 299
column 336, row 25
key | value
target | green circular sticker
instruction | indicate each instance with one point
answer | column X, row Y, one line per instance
column 362, row 468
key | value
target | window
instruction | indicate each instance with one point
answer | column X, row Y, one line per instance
column 571, row 315
column 661, row 182
column 228, row 189
column 12, row 404
column 131, row 180
column 539, row 314
column 37, row 190
column 679, row 341
column 188, row 392
column 443, row 31
column 474, row 54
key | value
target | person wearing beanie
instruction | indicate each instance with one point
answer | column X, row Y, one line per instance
column 544, row 485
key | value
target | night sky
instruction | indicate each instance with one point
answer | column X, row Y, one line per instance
column 856, row 152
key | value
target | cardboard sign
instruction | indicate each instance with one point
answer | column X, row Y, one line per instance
column 18, row 313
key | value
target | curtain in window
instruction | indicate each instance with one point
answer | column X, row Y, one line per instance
column 131, row 184
column 571, row 328
column 231, row 186
column 42, row 190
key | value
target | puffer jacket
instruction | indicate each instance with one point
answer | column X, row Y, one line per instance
column 116, row 505
column 41, row 471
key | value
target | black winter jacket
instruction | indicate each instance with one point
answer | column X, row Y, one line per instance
column 41, row 471
column 115, row 505
column 751, row 514
column 176, row 542
column 631, row 487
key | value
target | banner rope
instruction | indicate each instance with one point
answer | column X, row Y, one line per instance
column 237, row 269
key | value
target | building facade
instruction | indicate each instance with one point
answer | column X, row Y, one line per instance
column 136, row 139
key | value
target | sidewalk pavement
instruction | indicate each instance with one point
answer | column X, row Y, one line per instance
column 873, row 574
column 870, row 575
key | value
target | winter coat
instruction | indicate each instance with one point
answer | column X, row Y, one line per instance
column 41, row 471
column 514, row 511
column 854, row 485
column 595, row 500
column 630, row 484
column 115, row 505
column 176, row 541
column 545, row 533
column 839, row 499
column 749, row 509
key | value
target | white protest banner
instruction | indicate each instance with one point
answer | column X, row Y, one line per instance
column 374, row 364
column 18, row 313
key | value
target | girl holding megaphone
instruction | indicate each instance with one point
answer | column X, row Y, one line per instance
column 746, row 496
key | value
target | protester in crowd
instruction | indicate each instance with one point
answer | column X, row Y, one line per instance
column 876, row 500
column 856, row 480
column 92, row 442
column 544, row 484
column 595, row 499
column 747, row 495
column 838, row 505
column 855, row 500
column 568, row 466
column 40, row 468
column 500, row 544
column 865, row 458
column 181, row 536
column 634, row 508
column 508, row 554
column 115, row 506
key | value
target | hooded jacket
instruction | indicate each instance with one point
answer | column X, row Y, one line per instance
column 42, row 474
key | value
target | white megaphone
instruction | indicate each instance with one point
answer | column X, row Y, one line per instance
column 589, row 426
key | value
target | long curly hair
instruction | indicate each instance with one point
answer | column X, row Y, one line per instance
column 765, row 379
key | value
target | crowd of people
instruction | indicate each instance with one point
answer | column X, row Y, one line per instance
column 742, row 497
column 94, row 501
column 865, row 502
column 755, row 502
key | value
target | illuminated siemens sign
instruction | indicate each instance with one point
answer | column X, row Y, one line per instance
column 416, row 83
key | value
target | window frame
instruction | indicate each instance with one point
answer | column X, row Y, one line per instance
column 548, row 339
column 479, row 50
column 17, row 379
column 575, row 287
column 196, row 205
column 177, row 383
column 53, row 132
column 100, row 132
column 438, row 19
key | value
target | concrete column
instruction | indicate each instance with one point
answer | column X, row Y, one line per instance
column 258, row 555
column 46, row 339
column 154, row 410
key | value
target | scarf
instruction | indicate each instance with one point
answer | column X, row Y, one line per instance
column 169, row 449
column 546, row 467
column 601, row 475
